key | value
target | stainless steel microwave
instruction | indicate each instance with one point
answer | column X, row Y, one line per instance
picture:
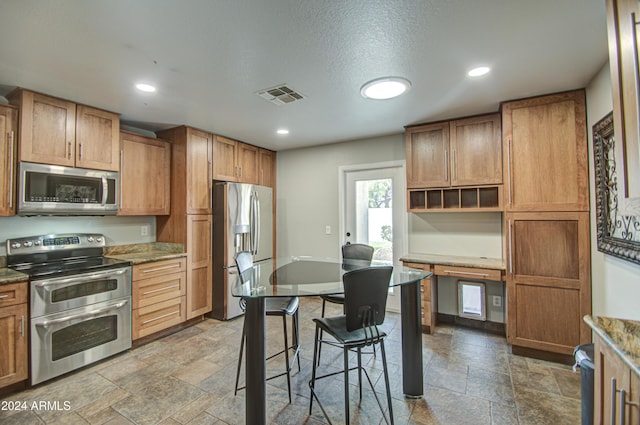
column 55, row 190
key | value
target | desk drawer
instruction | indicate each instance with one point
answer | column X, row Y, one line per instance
column 159, row 268
column 468, row 272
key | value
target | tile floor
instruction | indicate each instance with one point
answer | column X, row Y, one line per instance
column 188, row 378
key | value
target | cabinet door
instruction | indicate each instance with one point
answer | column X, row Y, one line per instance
column 144, row 175
column 47, row 128
column 8, row 153
column 248, row 163
column 476, row 151
column 13, row 344
column 199, row 267
column 199, row 151
column 546, row 153
column 427, row 150
column 97, row 139
column 429, row 298
column 267, row 168
column 224, row 159
column 608, row 365
column 548, row 283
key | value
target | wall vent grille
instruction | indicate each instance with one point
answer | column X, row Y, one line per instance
column 280, row 95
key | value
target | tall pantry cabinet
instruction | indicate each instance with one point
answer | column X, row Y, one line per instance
column 8, row 155
column 547, row 222
column 190, row 222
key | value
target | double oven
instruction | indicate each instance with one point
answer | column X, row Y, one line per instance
column 80, row 301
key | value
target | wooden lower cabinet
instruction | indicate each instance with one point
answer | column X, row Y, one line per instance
column 548, row 280
column 158, row 296
column 429, row 297
column 199, row 265
column 608, row 393
column 14, row 359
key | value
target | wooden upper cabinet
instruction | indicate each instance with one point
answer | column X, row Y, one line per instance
column 427, row 150
column 8, row 155
column 145, row 172
column 97, row 139
column 475, row 146
column 235, row 161
column 545, row 147
column 59, row 132
column 224, row 159
column 199, row 171
column 267, row 168
column 248, row 163
column 464, row 152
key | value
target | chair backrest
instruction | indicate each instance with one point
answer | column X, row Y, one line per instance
column 365, row 296
column 244, row 261
column 357, row 251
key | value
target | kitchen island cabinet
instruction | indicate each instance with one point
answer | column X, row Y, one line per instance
column 8, row 155
column 14, row 360
column 59, row 132
column 145, row 171
column 617, row 370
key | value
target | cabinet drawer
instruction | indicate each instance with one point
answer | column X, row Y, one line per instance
column 13, row 293
column 159, row 268
column 159, row 288
column 159, row 316
column 468, row 272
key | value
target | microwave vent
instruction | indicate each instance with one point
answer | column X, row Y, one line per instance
column 281, row 95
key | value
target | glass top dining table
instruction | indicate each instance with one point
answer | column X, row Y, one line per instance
column 313, row 276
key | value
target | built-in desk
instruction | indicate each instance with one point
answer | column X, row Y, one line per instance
column 479, row 268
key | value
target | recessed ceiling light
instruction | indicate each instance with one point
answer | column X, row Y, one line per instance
column 282, row 131
column 479, row 71
column 147, row 88
column 385, row 88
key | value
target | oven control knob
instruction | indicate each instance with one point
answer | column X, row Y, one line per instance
column 27, row 244
column 16, row 245
column 90, row 239
column 36, row 243
column 99, row 239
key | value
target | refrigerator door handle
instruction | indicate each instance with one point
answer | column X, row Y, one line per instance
column 252, row 219
column 257, row 227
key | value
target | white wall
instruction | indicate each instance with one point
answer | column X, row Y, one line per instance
column 117, row 230
column 615, row 285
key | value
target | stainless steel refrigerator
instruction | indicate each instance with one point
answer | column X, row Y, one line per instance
column 242, row 221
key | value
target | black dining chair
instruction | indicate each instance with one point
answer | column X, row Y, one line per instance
column 274, row 306
column 365, row 295
column 354, row 255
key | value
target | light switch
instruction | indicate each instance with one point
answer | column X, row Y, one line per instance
column 327, row 230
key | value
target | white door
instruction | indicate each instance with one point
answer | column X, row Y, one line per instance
column 374, row 213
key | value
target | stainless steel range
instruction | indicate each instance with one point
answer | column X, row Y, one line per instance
column 80, row 301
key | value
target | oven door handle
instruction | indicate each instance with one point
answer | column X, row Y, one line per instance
column 79, row 278
column 83, row 316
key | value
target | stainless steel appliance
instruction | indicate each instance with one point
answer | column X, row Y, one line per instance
column 80, row 301
column 52, row 189
column 243, row 221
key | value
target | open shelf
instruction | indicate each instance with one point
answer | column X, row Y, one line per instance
column 485, row 198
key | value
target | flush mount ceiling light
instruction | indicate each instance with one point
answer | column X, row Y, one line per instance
column 282, row 131
column 144, row 87
column 479, row 71
column 385, row 88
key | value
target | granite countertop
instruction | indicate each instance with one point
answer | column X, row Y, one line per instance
column 145, row 252
column 623, row 336
column 455, row 260
column 11, row 276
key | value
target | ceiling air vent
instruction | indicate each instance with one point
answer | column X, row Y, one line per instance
column 280, row 95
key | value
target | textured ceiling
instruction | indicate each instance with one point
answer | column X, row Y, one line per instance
column 208, row 58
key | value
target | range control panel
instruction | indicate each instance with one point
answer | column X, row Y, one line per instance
column 35, row 244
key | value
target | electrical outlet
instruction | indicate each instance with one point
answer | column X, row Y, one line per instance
column 144, row 230
column 497, row 301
